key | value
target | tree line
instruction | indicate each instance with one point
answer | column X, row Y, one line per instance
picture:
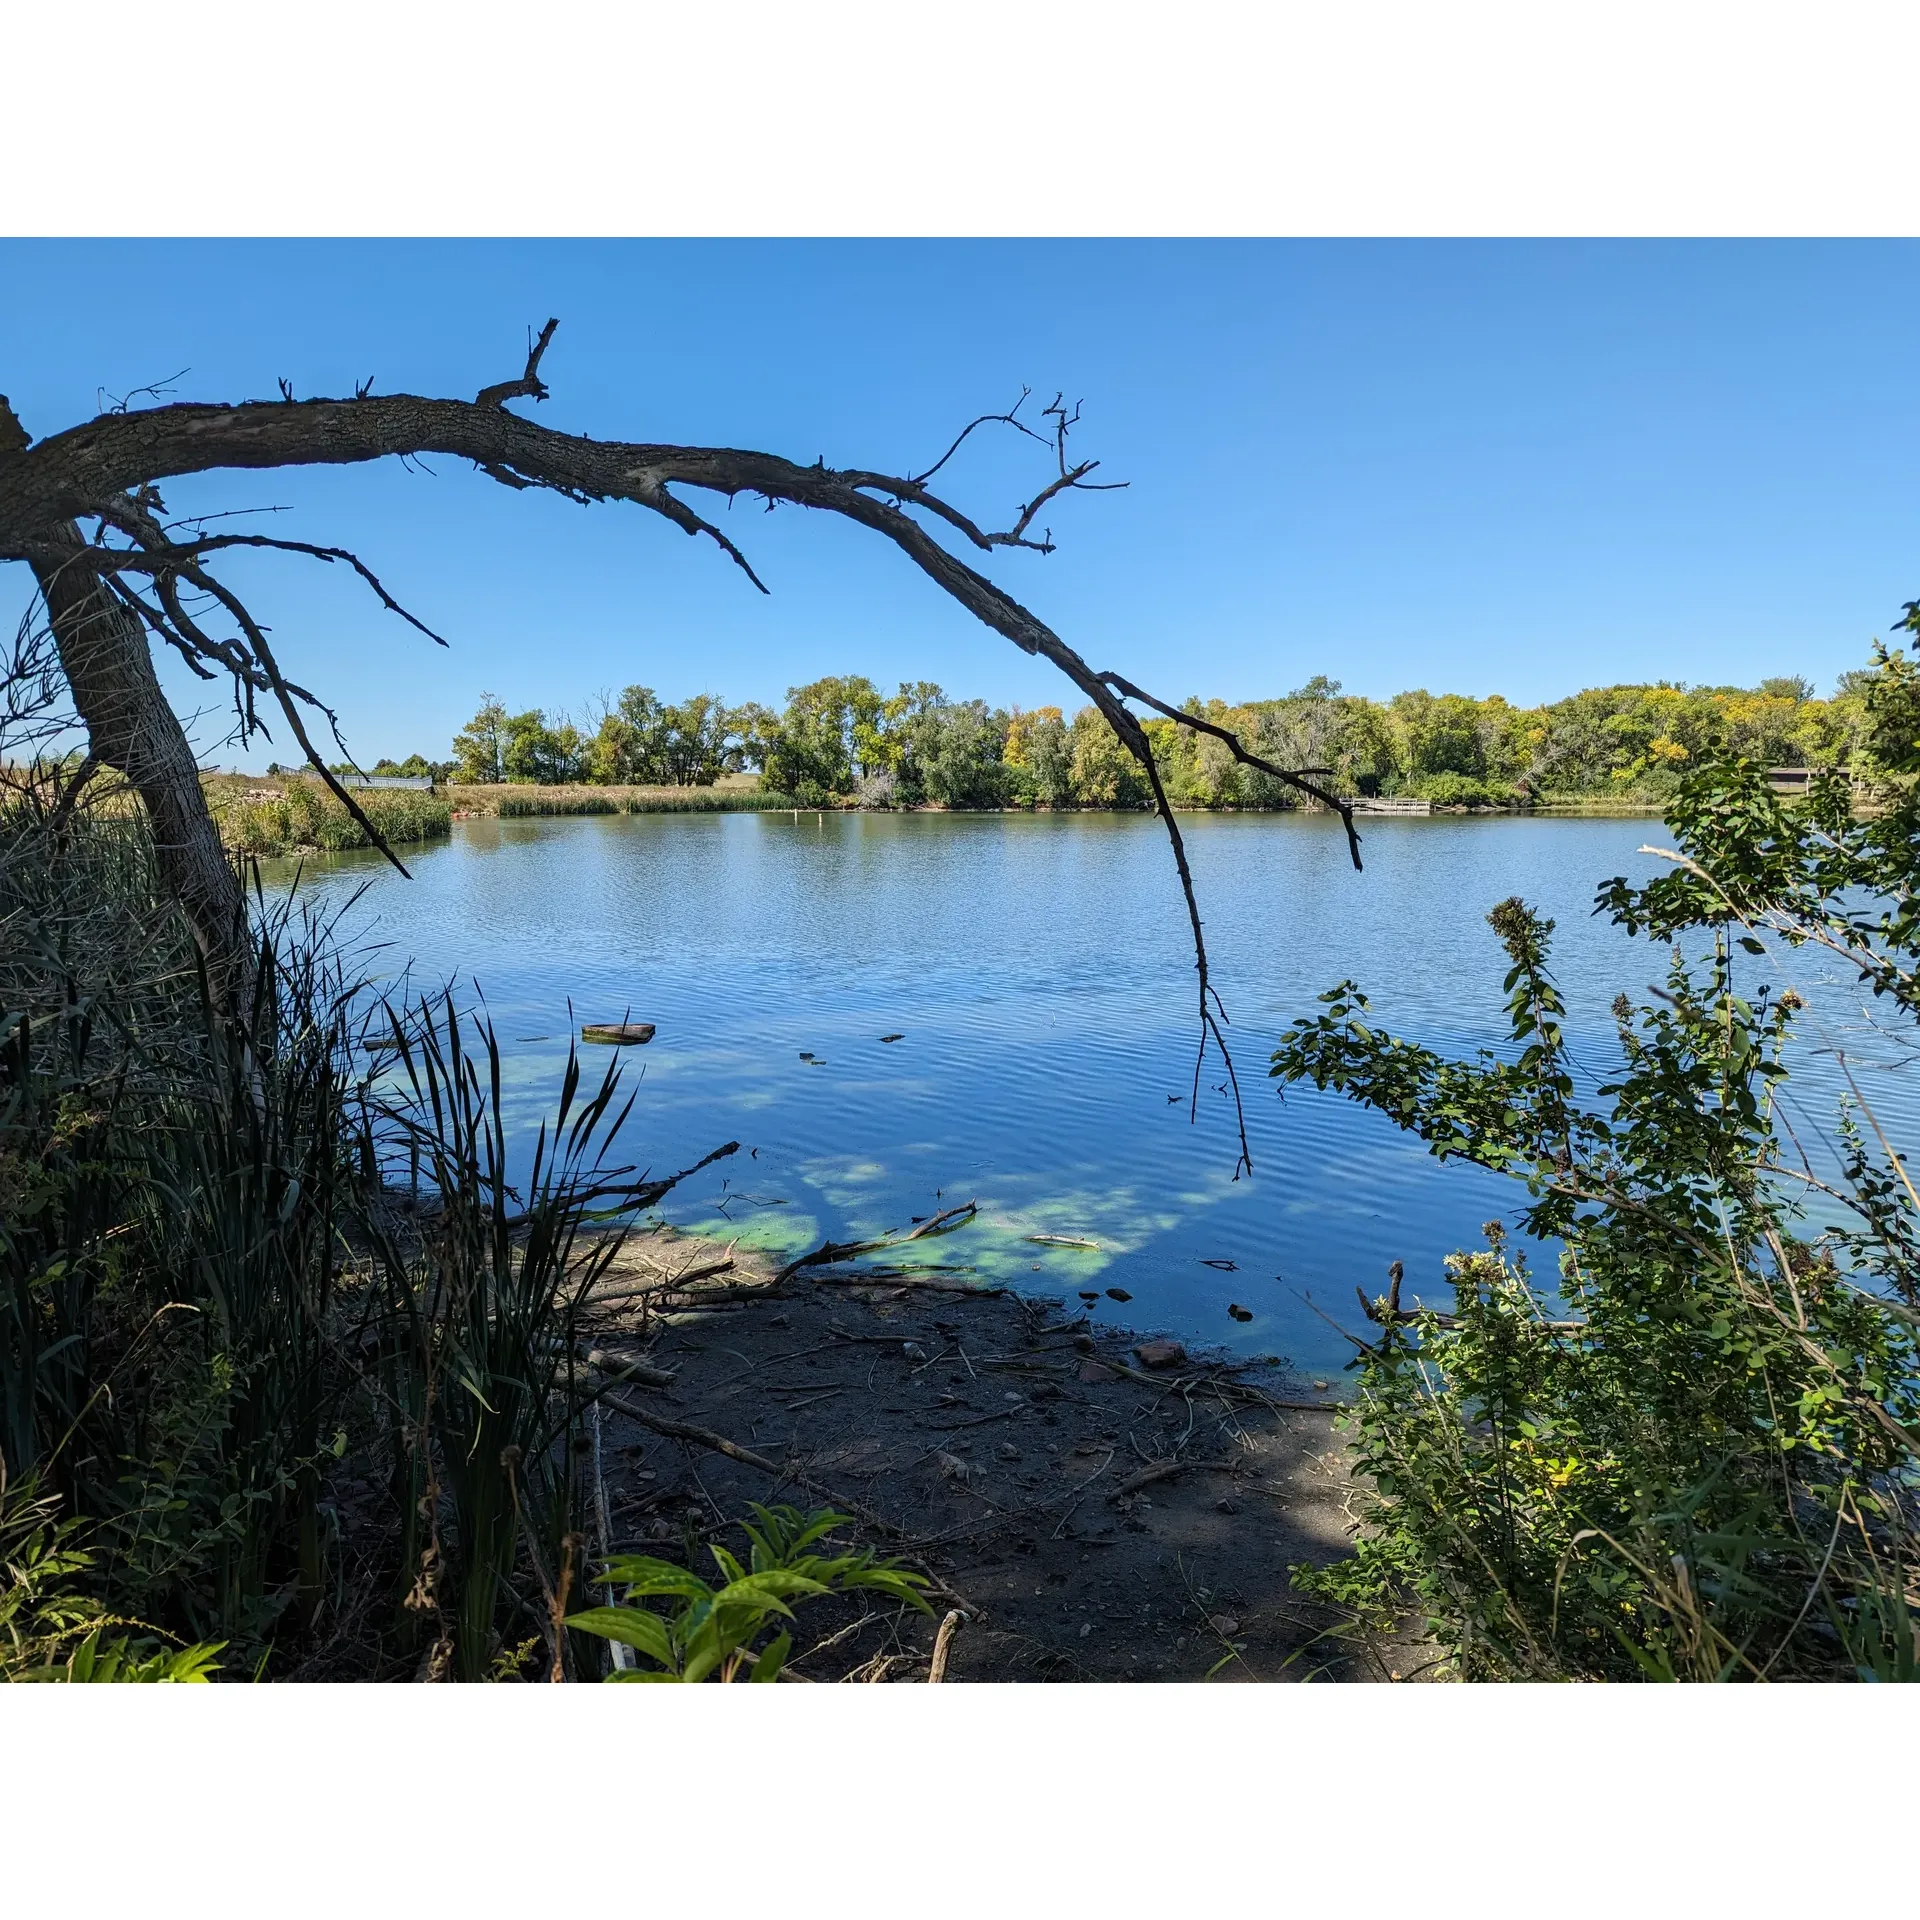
column 841, row 739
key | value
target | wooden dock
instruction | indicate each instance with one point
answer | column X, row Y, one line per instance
column 1364, row 803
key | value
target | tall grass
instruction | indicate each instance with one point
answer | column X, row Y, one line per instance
column 527, row 802
column 300, row 815
column 481, row 1322
column 215, row 1303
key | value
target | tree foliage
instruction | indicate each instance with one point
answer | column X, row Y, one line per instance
column 840, row 738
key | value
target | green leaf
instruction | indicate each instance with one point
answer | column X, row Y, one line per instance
column 631, row 1626
column 641, row 1575
column 773, row 1657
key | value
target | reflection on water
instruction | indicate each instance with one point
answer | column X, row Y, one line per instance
column 1039, row 971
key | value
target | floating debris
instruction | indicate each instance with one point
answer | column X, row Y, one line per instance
column 1118, row 1293
column 1094, row 1295
column 619, row 1033
column 1240, row 1313
column 1222, row 1266
column 1063, row 1240
column 887, row 1039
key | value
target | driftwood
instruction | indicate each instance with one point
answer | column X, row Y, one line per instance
column 1213, row 1383
column 1165, row 1470
column 617, row 1369
column 831, row 1253
column 942, row 1641
column 618, row 1033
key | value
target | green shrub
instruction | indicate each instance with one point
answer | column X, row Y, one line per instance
column 1462, row 790
column 1698, row 1455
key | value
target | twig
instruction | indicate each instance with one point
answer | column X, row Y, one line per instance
column 1248, row 1396
column 831, row 1253
column 1165, row 1470
column 942, row 1641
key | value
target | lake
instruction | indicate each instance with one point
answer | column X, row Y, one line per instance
column 1039, row 971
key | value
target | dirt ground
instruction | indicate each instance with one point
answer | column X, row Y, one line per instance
column 1097, row 1508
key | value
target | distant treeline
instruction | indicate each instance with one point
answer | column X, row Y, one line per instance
column 843, row 740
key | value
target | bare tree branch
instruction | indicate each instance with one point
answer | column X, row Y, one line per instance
column 1011, row 418
column 528, row 387
column 1295, row 777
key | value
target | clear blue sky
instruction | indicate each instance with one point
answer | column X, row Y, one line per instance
column 1501, row 467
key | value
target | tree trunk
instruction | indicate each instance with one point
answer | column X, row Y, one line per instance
column 105, row 655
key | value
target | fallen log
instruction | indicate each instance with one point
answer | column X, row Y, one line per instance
column 618, row 1033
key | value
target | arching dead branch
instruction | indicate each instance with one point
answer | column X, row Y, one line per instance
column 134, row 576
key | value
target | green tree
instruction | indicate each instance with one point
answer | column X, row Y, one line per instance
column 960, row 756
column 535, row 751
column 1039, row 758
column 1105, row 774
column 811, row 756
column 694, row 740
column 479, row 748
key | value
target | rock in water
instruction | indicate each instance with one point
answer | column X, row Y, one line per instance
column 618, row 1033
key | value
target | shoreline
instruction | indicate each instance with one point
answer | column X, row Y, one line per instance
column 1095, row 1505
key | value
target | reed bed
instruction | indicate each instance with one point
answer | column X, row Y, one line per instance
column 295, row 814
column 528, row 802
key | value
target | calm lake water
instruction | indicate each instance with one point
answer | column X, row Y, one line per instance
column 1039, row 970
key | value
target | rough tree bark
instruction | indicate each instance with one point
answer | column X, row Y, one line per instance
column 138, row 571
column 131, row 727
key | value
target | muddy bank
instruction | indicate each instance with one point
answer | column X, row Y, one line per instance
column 1094, row 1517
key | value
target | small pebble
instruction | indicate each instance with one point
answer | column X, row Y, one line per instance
column 1008, row 1451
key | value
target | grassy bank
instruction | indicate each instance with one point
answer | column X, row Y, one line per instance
column 526, row 802
column 298, row 815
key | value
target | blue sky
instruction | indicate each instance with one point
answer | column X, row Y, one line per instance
column 1478, row 467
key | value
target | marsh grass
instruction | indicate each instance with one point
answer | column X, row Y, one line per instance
column 481, row 1322
column 208, row 1313
column 532, row 802
column 293, row 814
